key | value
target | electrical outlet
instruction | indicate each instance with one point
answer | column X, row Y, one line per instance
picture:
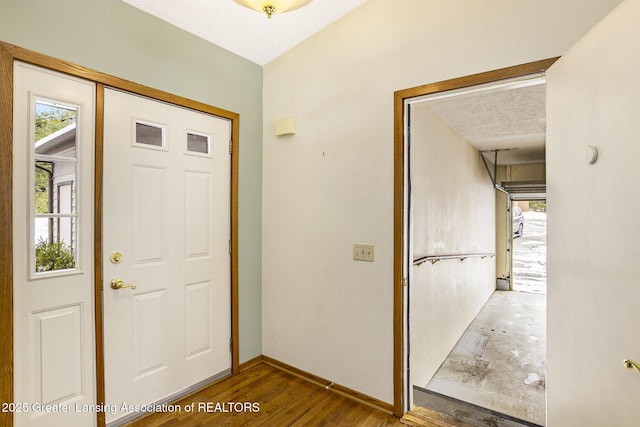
column 363, row 252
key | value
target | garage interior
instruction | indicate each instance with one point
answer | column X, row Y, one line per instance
column 477, row 338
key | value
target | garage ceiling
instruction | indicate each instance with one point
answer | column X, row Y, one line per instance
column 509, row 117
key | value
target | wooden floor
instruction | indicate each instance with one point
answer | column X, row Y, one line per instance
column 264, row 395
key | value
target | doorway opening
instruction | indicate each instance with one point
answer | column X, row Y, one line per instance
column 529, row 245
column 497, row 369
column 457, row 236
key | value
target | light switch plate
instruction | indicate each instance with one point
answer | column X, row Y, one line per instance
column 363, row 252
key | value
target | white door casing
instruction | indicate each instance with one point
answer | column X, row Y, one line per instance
column 54, row 346
column 166, row 205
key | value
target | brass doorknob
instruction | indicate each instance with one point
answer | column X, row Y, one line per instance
column 630, row 364
column 117, row 283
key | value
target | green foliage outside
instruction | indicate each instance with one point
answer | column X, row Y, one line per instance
column 53, row 256
column 50, row 121
column 538, row 205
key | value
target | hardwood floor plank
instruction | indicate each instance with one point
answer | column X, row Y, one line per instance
column 273, row 397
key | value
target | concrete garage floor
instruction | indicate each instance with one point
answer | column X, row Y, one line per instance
column 499, row 362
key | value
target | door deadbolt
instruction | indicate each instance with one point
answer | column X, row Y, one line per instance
column 116, row 258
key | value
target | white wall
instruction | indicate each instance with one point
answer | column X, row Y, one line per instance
column 332, row 183
column 593, row 232
column 453, row 208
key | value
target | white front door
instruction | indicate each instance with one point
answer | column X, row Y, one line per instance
column 54, row 347
column 166, row 231
column 593, row 271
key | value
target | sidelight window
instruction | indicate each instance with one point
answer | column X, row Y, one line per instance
column 54, row 208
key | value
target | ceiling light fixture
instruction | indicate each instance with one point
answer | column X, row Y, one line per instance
column 271, row 7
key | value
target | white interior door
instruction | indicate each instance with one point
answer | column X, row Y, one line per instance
column 166, row 231
column 54, row 346
column 593, row 232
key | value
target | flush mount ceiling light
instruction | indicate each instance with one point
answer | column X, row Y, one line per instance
column 271, row 7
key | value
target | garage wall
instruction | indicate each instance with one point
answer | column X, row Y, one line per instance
column 331, row 184
column 453, row 207
column 115, row 38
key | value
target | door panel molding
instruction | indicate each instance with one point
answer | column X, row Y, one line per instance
column 399, row 214
column 10, row 53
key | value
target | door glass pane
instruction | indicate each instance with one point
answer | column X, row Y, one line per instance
column 43, row 193
column 51, row 256
column 55, row 129
column 197, row 143
column 55, row 176
column 55, row 187
column 148, row 134
column 56, row 229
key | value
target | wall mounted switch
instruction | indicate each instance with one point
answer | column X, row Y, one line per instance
column 363, row 252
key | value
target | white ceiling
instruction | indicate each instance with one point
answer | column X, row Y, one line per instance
column 246, row 32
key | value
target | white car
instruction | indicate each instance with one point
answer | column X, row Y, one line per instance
column 518, row 222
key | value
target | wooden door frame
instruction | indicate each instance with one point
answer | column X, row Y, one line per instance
column 399, row 213
column 10, row 53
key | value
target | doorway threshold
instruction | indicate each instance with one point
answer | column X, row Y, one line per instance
column 427, row 402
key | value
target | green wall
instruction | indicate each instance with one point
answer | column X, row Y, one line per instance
column 113, row 37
